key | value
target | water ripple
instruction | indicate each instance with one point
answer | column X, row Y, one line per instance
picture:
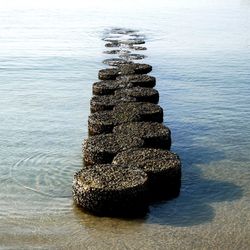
column 46, row 174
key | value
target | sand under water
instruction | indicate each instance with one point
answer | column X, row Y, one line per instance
column 49, row 60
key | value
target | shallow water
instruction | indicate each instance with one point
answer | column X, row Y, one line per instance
column 200, row 53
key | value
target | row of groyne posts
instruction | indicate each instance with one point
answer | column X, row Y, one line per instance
column 127, row 159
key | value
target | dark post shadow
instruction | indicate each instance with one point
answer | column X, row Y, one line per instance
column 193, row 206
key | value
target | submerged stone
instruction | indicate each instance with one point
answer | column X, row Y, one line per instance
column 111, row 190
column 162, row 167
column 100, row 149
column 154, row 134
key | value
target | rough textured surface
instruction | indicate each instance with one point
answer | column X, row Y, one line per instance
column 109, row 87
column 108, row 74
column 115, row 61
column 155, row 135
column 118, row 42
column 132, row 56
column 132, row 41
column 135, row 68
column 163, row 169
column 111, row 39
column 137, row 47
column 112, row 52
column 147, row 111
column 138, row 80
column 107, row 102
column 116, row 51
column 104, row 121
column 140, row 94
column 100, row 149
column 100, row 123
column 122, row 31
column 126, row 157
column 124, row 69
column 109, row 190
column 112, row 45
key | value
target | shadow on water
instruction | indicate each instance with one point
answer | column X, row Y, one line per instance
column 194, row 204
column 192, row 207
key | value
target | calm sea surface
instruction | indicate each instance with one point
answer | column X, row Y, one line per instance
column 49, row 59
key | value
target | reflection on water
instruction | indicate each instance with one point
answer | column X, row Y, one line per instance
column 48, row 62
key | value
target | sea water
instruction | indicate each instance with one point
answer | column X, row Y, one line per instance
column 49, row 59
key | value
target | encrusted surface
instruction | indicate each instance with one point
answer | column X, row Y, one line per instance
column 146, row 111
column 150, row 160
column 101, row 149
column 140, row 94
column 132, row 56
column 124, row 69
column 111, row 190
column 108, row 74
column 112, row 44
column 126, row 157
column 135, row 68
column 111, row 177
column 107, row 102
column 138, row 80
column 116, row 51
column 137, row 47
column 162, row 167
column 109, row 87
column 155, row 135
column 132, row 41
column 115, row 61
column 104, row 121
